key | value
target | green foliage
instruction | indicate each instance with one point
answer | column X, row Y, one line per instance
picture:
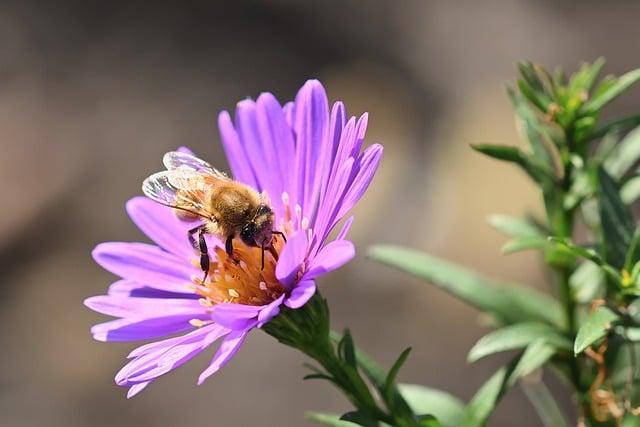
column 586, row 172
column 594, row 327
column 448, row 409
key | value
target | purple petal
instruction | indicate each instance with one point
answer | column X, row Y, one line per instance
column 301, row 294
column 345, row 229
column 368, row 167
column 135, row 389
column 134, row 329
column 119, row 306
column 291, row 258
column 161, row 225
column 164, row 359
column 236, row 155
column 236, row 316
column 311, row 125
column 184, row 149
column 329, row 258
column 146, row 264
column 227, row 350
column 129, row 288
column 278, row 147
column 269, row 311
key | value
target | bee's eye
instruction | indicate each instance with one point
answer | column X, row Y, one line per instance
column 262, row 210
column 247, row 234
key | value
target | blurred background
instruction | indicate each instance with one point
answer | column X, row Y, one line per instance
column 93, row 93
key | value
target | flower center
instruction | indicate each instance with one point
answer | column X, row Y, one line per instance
column 242, row 279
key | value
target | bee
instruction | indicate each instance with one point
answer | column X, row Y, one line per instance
column 227, row 208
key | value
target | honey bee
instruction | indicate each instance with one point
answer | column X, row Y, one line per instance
column 228, row 209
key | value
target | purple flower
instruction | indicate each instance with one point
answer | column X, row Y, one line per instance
column 310, row 162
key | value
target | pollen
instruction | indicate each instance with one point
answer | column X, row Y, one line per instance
column 241, row 279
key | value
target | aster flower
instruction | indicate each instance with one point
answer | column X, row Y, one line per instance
column 310, row 161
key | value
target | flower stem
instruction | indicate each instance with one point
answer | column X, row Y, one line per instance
column 307, row 330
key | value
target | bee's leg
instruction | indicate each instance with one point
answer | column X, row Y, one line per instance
column 204, row 253
column 281, row 234
column 228, row 247
column 190, row 234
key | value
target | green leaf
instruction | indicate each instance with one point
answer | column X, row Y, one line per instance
column 524, row 243
column 393, row 373
column 585, row 77
column 360, row 418
column 536, row 171
column 625, row 154
column 328, row 419
column 514, row 227
column 617, row 125
column 590, row 255
column 630, row 191
column 611, row 91
column 507, row 304
column 376, row 375
column 346, row 348
column 587, row 282
column 488, row 396
column 517, row 336
column 544, row 404
column 594, row 327
column 633, row 253
column 617, row 222
column 428, row 421
column 533, row 130
column 448, row 409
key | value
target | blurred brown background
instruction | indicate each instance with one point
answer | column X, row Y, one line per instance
column 93, row 93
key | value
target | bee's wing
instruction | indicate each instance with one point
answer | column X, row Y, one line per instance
column 177, row 160
column 182, row 188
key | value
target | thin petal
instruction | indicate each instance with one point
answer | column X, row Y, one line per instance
column 236, row 155
column 227, row 350
column 129, row 288
column 235, row 316
column 146, row 264
column 184, row 149
column 119, row 306
column 291, row 258
column 161, row 225
column 154, row 364
column 134, row 329
column 330, row 257
column 247, row 128
column 367, row 170
column 269, row 311
column 342, row 234
column 301, row 294
column 311, row 126
column 135, row 389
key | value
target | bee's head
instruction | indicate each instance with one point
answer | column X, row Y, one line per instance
column 259, row 231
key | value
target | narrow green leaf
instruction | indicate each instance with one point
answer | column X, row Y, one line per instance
column 524, row 243
column 594, row 328
column 544, row 404
column 624, row 155
column 617, row 125
column 630, row 191
column 507, row 304
column 537, row 353
column 617, row 222
column 428, row 421
column 533, row 131
column 393, row 372
column 346, row 348
column 633, row 253
column 536, row 171
column 488, row 396
column 585, row 77
column 517, row 336
column 360, row 418
column 604, row 96
column 448, row 409
column 514, row 227
column 587, row 282
column 328, row 419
